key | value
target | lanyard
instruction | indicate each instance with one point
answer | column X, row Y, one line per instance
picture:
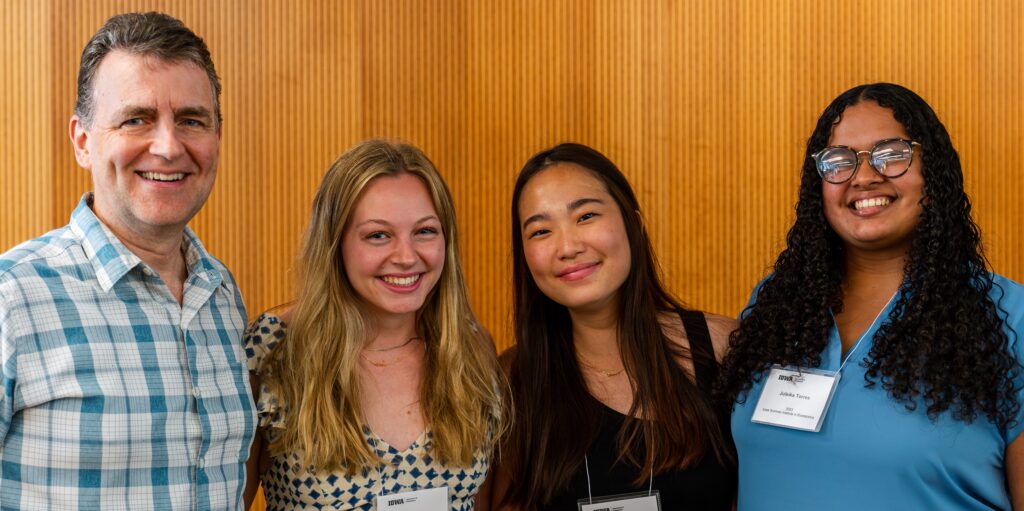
column 870, row 328
column 590, row 495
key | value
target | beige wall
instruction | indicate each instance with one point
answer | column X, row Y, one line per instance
column 704, row 104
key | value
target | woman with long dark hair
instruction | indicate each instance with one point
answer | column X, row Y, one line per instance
column 610, row 375
column 878, row 365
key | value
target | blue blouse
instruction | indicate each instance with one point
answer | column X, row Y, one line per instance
column 871, row 453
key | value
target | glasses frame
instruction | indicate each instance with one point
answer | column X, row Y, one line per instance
column 821, row 173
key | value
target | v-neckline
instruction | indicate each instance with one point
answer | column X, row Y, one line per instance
column 383, row 447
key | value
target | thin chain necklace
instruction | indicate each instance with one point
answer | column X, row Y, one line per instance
column 385, row 363
column 603, row 372
column 395, row 347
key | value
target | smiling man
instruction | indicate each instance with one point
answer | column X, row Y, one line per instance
column 124, row 381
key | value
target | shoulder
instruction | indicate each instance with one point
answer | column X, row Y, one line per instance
column 719, row 328
column 22, row 258
column 262, row 336
column 1008, row 297
column 1007, row 293
column 507, row 359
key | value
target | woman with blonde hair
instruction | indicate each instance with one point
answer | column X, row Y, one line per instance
column 377, row 381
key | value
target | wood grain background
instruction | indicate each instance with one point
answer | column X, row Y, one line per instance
column 704, row 104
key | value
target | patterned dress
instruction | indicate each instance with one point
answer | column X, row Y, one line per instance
column 287, row 484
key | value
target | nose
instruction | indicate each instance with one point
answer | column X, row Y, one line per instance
column 165, row 142
column 404, row 253
column 569, row 244
column 865, row 174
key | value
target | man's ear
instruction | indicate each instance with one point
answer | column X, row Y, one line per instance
column 79, row 137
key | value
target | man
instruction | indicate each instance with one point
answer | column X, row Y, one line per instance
column 124, row 380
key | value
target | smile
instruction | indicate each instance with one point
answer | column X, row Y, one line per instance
column 156, row 176
column 578, row 271
column 408, row 281
column 874, row 202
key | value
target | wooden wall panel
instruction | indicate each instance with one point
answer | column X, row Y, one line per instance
column 26, row 154
column 704, row 104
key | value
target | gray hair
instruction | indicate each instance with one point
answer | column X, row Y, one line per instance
column 150, row 34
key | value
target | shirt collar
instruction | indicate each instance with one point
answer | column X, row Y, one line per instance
column 111, row 260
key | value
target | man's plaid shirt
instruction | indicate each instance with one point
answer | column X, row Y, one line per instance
column 114, row 396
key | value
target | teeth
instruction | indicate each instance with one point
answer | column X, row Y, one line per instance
column 870, row 203
column 400, row 281
column 155, row 176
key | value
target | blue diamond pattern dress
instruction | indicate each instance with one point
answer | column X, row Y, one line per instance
column 287, row 484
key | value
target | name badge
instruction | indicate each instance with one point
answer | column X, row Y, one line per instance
column 430, row 499
column 642, row 501
column 796, row 398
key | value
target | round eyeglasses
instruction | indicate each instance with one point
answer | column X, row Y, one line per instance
column 890, row 158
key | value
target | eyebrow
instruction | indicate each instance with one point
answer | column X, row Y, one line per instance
column 132, row 111
column 572, row 206
column 193, row 111
column 388, row 224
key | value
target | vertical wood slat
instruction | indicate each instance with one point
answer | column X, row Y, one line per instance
column 705, row 105
column 26, row 156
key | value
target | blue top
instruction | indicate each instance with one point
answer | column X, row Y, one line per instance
column 871, row 453
column 114, row 396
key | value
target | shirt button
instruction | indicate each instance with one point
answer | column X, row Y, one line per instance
column 196, row 393
column 200, row 463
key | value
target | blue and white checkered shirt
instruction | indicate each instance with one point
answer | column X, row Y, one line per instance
column 114, row 395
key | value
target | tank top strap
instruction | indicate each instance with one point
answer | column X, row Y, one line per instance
column 704, row 364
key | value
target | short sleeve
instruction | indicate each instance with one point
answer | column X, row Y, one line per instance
column 260, row 338
column 1009, row 299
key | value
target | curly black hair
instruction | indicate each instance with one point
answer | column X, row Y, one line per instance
column 944, row 345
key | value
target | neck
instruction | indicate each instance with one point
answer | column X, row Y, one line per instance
column 874, row 272
column 160, row 249
column 595, row 334
column 389, row 333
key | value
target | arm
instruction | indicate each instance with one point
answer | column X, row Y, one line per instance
column 256, row 453
column 258, row 347
column 494, row 488
column 483, row 496
column 1015, row 472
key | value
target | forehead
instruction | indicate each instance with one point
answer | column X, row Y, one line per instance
column 863, row 124
column 394, row 194
column 560, row 184
column 143, row 80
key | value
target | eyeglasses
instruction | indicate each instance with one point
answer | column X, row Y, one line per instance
column 890, row 158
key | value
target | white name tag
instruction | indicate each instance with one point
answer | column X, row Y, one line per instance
column 642, row 501
column 795, row 398
column 431, row 499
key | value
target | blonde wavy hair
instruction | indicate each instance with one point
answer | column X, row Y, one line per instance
column 314, row 369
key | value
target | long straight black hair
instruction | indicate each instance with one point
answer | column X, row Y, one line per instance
column 556, row 418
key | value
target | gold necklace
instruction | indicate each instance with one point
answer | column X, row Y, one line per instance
column 602, row 372
column 381, row 363
column 395, row 347
column 385, row 363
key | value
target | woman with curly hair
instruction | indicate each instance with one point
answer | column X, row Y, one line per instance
column 610, row 375
column 877, row 366
column 377, row 384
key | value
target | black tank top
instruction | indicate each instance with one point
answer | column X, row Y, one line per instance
column 707, row 485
